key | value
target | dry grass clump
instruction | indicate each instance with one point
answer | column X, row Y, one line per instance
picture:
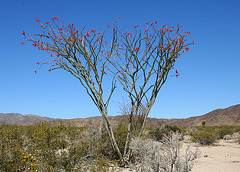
column 162, row 156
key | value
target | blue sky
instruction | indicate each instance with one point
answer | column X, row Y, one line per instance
column 209, row 72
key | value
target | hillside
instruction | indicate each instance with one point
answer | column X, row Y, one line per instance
column 16, row 118
column 228, row 116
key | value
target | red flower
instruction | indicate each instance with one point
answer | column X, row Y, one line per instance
column 57, row 18
column 146, row 29
column 147, row 22
column 35, row 71
column 137, row 49
column 88, row 34
column 22, row 43
column 46, row 22
column 57, row 55
column 36, row 20
column 187, row 49
column 108, row 25
column 136, row 26
column 92, row 30
column 120, row 17
column 41, row 26
column 115, row 21
column 23, row 33
column 75, row 32
column 35, row 44
column 188, row 32
column 49, row 70
column 37, row 62
column 156, row 22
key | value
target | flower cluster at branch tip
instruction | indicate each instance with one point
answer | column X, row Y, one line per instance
column 177, row 73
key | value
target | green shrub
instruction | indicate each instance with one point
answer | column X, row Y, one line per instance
column 205, row 136
column 160, row 132
column 224, row 130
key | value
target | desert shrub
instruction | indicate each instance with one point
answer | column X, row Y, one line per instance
column 158, row 133
column 224, row 130
column 204, row 136
column 100, row 142
column 120, row 132
column 237, row 129
column 38, row 147
column 11, row 143
column 161, row 156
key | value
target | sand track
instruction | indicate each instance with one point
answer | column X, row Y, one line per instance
column 224, row 156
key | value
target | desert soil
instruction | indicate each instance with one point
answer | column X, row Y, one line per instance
column 224, row 156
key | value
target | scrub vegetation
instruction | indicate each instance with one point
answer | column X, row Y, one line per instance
column 42, row 147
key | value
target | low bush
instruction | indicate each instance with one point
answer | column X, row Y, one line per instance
column 204, row 136
column 162, row 156
column 224, row 130
column 165, row 130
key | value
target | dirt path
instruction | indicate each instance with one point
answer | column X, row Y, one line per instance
column 224, row 156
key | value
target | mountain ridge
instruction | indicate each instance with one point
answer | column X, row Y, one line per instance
column 226, row 116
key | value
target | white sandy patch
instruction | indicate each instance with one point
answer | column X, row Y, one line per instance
column 224, row 156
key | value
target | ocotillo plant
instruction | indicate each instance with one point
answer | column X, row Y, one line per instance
column 142, row 63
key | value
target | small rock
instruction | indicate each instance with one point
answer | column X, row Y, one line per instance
column 227, row 137
column 205, row 156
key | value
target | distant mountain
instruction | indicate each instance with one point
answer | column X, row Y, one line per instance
column 16, row 118
column 228, row 116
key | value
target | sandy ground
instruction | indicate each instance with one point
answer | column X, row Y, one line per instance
column 223, row 156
